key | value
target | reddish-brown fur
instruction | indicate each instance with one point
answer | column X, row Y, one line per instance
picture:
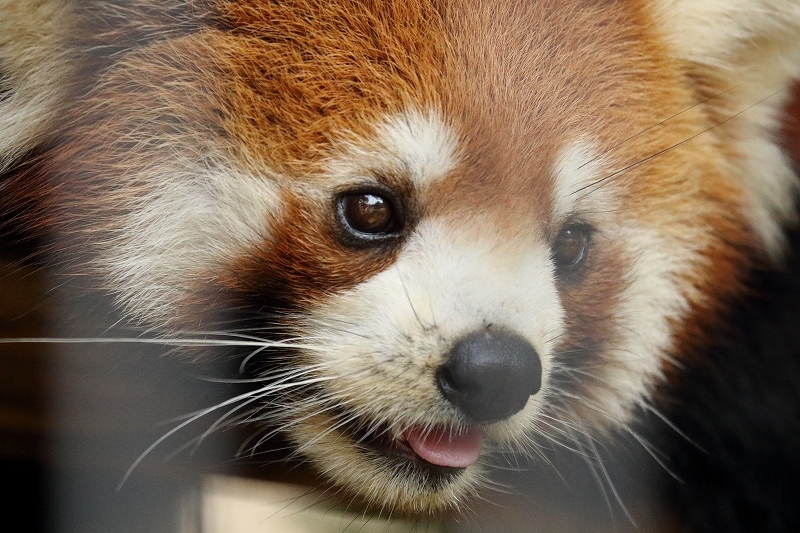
column 279, row 90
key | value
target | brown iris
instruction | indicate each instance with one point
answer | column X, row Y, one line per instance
column 570, row 246
column 368, row 213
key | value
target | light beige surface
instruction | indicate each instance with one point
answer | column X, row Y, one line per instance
column 233, row 505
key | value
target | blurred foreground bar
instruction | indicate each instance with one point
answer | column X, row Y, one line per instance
column 237, row 505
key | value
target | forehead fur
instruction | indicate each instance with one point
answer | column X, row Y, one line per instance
column 284, row 81
column 300, row 74
column 525, row 80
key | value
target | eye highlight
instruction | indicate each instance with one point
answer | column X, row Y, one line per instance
column 367, row 216
column 571, row 246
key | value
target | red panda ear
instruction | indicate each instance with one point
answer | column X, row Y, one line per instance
column 739, row 57
column 734, row 34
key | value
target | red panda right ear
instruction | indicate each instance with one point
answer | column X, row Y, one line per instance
column 736, row 35
column 739, row 57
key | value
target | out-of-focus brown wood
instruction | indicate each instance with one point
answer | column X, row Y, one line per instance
column 22, row 366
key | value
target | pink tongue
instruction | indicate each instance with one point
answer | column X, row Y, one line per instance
column 440, row 447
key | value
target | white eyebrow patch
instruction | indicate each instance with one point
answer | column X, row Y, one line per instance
column 419, row 146
column 578, row 184
column 422, row 143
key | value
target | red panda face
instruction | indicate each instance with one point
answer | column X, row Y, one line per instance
column 474, row 227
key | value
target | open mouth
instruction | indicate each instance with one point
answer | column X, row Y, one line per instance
column 434, row 449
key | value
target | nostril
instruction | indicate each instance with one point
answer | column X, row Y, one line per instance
column 446, row 380
column 489, row 376
column 456, row 388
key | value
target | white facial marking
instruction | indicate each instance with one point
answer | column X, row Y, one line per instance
column 577, row 181
column 419, row 146
column 423, row 143
column 192, row 222
column 653, row 300
column 654, row 294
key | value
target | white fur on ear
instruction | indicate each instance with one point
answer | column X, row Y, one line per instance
column 732, row 33
column 749, row 50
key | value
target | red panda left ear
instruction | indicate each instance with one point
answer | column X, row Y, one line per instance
column 740, row 57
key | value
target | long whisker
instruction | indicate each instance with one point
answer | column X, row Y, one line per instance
column 657, row 124
column 178, row 428
column 408, row 297
column 609, row 482
column 595, row 185
column 653, row 452
column 246, row 397
column 178, row 342
column 672, row 426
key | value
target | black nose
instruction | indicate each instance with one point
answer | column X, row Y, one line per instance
column 490, row 375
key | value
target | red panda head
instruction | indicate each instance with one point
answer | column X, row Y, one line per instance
column 469, row 227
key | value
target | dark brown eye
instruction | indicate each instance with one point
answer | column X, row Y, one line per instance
column 570, row 246
column 368, row 214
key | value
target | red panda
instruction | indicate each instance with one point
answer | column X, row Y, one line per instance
column 459, row 227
